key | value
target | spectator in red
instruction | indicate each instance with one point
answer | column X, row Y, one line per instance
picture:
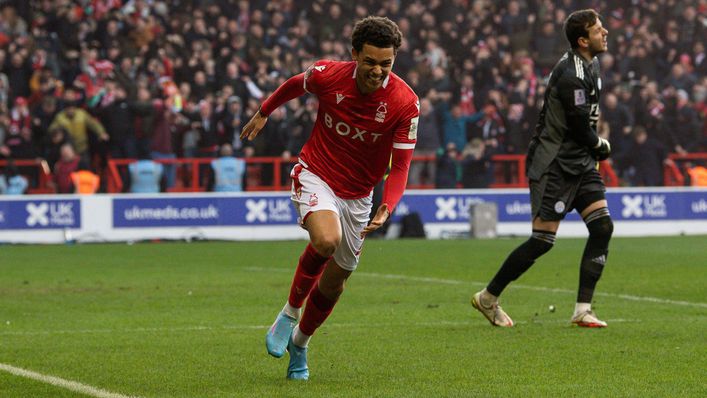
column 67, row 164
column 20, row 118
column 51, row 150
column 467, row 101
column 18, row 141
column 163, row 127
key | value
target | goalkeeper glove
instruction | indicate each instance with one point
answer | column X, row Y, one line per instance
column 601, row 150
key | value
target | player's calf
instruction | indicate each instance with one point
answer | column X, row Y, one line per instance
column 594, row 258
column 309, row 269
column 595, row 254
column 521, row 259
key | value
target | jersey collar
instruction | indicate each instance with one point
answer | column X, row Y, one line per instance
column 587, row 64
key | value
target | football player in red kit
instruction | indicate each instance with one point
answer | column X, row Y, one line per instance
column 367, row 118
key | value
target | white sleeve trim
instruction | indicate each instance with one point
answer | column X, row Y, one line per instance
column 304, row 85
column 254, row 90
column 402, row 145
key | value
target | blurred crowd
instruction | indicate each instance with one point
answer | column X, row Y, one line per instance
column 83, row 81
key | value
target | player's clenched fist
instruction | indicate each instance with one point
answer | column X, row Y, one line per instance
column 253, row 127
column 602, row 150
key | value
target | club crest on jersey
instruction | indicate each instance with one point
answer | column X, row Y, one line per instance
column 313, row 200
column 381, row 112
column 339, row 97
column 579, row 98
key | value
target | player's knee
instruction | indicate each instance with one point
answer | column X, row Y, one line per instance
column 326, row 245
column 599, row 223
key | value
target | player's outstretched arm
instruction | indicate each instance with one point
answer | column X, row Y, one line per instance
column 253, row 127
column 292, row 88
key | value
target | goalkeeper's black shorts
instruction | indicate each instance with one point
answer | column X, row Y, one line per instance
column 557, row 192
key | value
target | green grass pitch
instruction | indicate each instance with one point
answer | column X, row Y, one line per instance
column 188, row 320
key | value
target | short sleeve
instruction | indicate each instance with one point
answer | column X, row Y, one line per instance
column 405, row 135
column 315, row 77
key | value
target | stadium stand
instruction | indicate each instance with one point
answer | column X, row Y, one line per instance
column 176, row 79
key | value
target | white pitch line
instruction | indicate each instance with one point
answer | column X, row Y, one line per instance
column 415, row 278
column 63, row 383
column 131, row 330
column 519, row 286
column 265, row 327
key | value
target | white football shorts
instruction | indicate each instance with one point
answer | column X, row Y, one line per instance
column 310, row 193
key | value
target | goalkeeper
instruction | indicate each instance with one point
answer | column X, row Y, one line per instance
column 562, row 169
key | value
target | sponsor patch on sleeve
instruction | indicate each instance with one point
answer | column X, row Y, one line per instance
column 579, row 98
column 412, row 134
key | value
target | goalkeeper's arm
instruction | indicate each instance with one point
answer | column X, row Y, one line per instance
column 581, row 131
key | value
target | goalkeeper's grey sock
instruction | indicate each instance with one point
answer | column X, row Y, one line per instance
column 521, row 259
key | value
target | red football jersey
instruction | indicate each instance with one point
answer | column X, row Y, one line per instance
column 354, row 134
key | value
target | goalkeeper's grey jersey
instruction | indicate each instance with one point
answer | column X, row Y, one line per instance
column 573, row 89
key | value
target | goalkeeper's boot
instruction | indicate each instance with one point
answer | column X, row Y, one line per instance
column 588, row 319
column 494, row 313
column 279, row 334
column 297, row 369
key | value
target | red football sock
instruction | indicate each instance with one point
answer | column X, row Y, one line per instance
column 316, row 312
column 309, row 269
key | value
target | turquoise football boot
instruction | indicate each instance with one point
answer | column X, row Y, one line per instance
column 297, row 370
column 279, row 334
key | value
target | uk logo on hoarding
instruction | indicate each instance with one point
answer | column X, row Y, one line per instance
column 446, row 208
column 268, row 210
column 256, row 210
column 632, row 206
column 644, row 206
column 42, row 214
column 37, row 214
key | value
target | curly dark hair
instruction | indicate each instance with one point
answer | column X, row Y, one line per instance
column 377, row 31
column 578, row 23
